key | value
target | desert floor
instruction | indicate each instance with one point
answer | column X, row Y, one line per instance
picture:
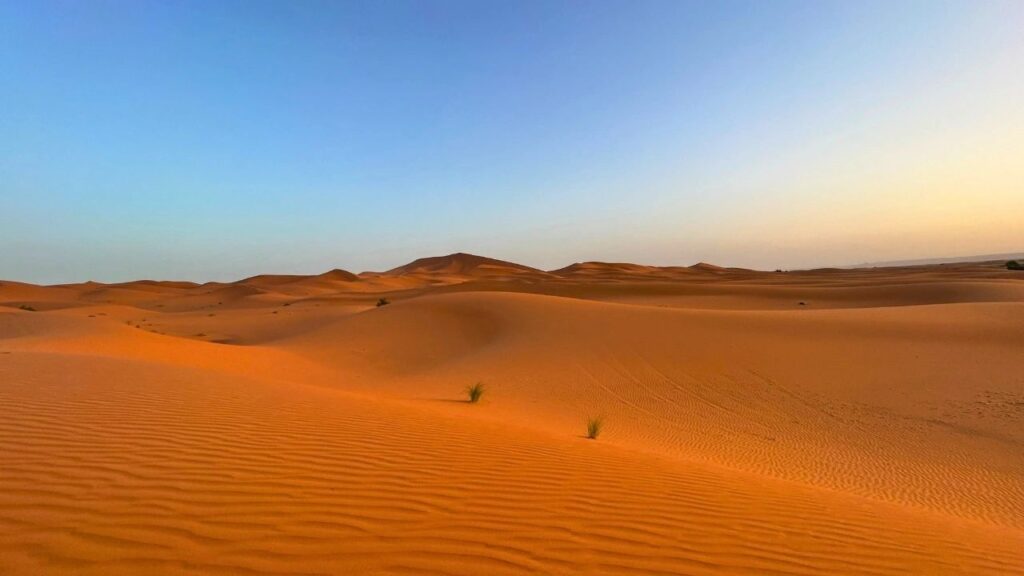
column 817, row 422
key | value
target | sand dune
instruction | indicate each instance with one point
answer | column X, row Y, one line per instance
column 460, row 267
column 287, row 425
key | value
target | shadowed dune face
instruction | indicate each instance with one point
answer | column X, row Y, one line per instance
column 286, row 425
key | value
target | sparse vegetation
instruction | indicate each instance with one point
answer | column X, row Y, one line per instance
column 383, row 302
column 475, row 392
column 27, row 307
column 594, row 426
column 1014, row 265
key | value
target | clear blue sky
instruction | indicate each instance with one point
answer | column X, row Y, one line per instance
column 214, row 140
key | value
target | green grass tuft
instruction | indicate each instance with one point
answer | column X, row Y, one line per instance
column 475, row 392
column 594, row 426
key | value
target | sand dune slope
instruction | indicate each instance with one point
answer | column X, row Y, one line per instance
column 288, row 425
column 917, row 405
column 134, row 468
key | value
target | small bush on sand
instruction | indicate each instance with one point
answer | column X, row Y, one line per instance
column 475, row 392
column 27, row 307
column 594, row 426
column 383, row 302
column 1014, row 265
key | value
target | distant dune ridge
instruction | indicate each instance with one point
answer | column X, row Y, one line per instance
column 948, row 260
column 461, row 266
column 461, row 263
column 339, row 274
column 833, row 421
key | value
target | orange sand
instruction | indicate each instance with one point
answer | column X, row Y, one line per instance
column 286, row 425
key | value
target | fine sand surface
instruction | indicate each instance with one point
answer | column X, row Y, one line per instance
column 815, row 422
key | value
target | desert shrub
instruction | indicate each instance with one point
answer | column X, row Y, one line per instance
column 27, row 307
column 594, row 426
column 383, row 302
column 1014, row 265
column 475, row 392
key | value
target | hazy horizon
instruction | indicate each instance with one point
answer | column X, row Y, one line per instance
column 197, row 141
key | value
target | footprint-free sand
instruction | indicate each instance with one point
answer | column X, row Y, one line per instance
column 814, row 422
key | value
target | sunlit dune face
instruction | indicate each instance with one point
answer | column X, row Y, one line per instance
column 294, row 424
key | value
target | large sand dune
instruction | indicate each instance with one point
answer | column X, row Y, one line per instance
column 833, row 421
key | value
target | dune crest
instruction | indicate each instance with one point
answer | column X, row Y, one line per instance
column 463, row 265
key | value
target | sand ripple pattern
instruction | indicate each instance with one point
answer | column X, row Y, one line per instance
column 113, row 467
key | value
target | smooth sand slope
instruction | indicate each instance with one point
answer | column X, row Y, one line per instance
column 286, row 425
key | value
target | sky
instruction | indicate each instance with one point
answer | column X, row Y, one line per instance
column 217, row 140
